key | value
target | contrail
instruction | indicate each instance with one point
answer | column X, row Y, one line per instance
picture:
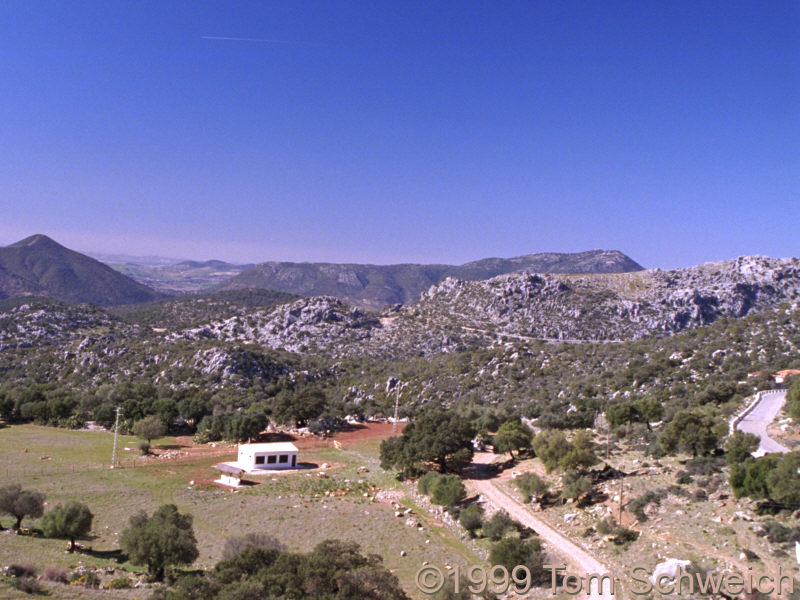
column 243, row 39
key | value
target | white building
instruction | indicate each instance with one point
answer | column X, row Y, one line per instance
column 277, row 455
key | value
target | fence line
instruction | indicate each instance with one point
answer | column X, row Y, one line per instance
column 124, row 463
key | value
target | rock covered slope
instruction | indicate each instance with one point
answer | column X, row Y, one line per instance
column 499, row 324
column 373, row 287
column 38, row 266
column 613, row 306
column 83, row 346
column 308, row 326
column 455, row 314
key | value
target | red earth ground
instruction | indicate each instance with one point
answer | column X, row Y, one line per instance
column 185, row 449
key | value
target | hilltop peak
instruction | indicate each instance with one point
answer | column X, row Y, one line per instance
column 38, row 239
column 40, row 266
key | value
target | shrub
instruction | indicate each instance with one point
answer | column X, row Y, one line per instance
column 678, row 491
column 28, row 585
column 606, row 526
column 120, row 583
column 740, row 447
column 551, row 447
column 705, row 465
column 236, row 545
column 531, row 486
column 778, row 533
column 512, row 552
column 623, row 535
column 144, row 448
column 22, row 570
column 84, row 578
column 684, row 478
column 497, row 526
column 448, row 490
column 619, row 535
column 56, row 575
column 575, row 485
column 333, row 569
column 426, row 481
column 638, row 504
column 471, row 518
column 554, row 450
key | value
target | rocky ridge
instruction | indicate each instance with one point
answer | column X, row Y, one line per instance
column 455, row 313
column 308, row 325
column 374, row 287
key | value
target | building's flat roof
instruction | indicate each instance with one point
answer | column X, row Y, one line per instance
column 271, row 447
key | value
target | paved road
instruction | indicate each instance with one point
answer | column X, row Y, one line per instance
column 761, row 417
column 582, row 563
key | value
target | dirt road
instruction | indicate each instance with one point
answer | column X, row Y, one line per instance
column 581, row 563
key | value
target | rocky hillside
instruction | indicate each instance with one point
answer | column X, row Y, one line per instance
column 478, row 343
column 456, row 314
column 373, row 287
column 38, row 266
column 83, row 347
column 609, row 307
column 307, row 326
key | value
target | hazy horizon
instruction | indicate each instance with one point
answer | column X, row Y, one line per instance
column 152, row 259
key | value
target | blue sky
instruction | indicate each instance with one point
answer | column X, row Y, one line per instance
column 402, row 131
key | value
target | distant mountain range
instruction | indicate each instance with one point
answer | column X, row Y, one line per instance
column 374, row 287
column 38, row 266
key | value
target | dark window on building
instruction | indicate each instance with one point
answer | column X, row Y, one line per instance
column 271, row 460
column 259, row 460
column 283, row 458
column 294, row 459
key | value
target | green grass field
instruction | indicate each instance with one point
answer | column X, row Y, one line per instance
column 293, row 507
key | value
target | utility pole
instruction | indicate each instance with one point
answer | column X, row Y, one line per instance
column 116, row 437
column 396, row 407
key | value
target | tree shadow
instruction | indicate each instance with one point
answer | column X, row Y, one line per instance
column 606, row 473
column 482, row 471
column 592, row 498
column 116, row 555
column 170, row 446
column 279, row 436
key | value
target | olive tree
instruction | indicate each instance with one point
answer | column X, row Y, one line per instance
column 511, row 436
column 166, row 538
column 70, row 521
column 149, row 428
column 19, row 503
